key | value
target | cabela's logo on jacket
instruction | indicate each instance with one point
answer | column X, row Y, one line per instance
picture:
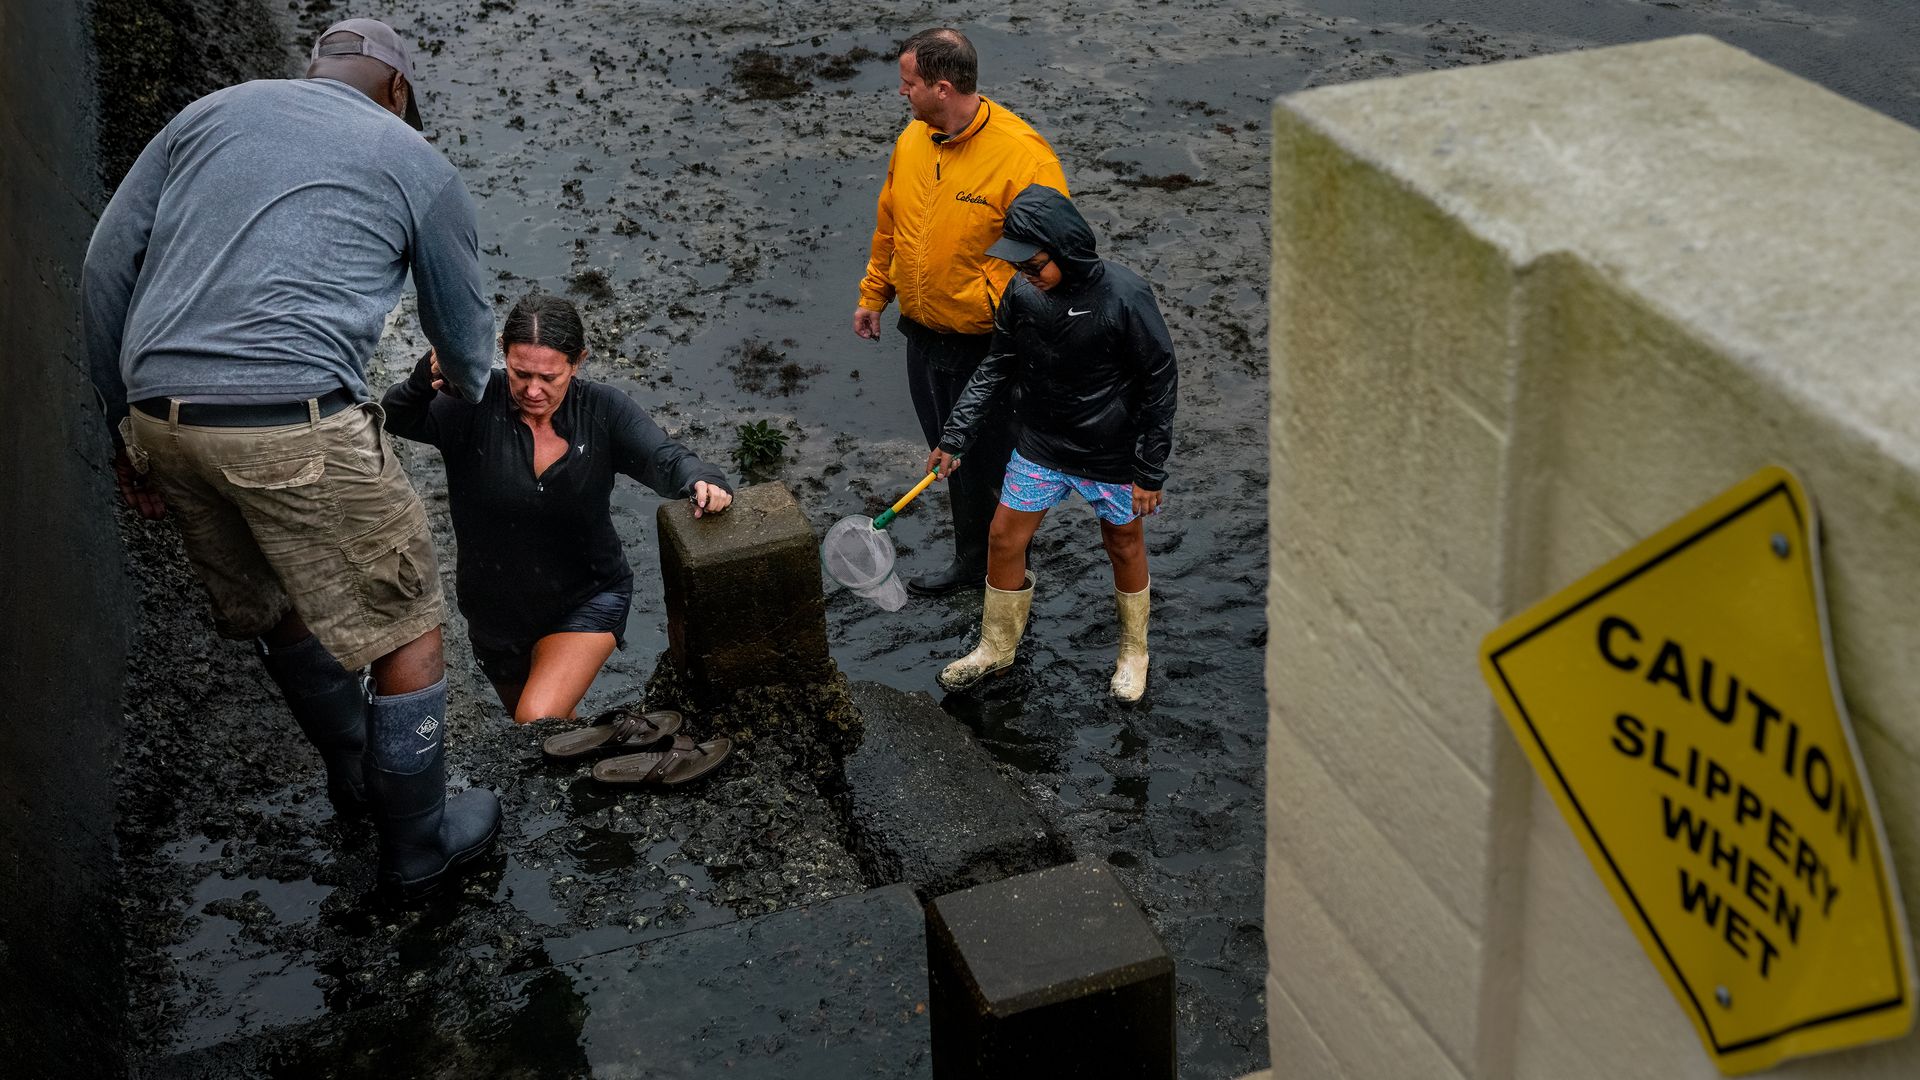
column 977, row 200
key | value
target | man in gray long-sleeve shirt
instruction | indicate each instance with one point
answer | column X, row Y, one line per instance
column 233, row 293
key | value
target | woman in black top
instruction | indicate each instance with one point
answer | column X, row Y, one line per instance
column 541, row 576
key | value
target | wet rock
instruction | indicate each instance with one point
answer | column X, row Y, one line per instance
column 246, row 909
column 927, row 806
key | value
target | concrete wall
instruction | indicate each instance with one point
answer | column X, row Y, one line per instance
column 1524, row 315
column 83, row 86
column 63, row 638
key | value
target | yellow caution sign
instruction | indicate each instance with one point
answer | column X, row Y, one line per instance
column 1681, row 706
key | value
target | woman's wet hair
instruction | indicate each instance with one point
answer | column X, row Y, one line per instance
column 552, row 322
column 944, row 53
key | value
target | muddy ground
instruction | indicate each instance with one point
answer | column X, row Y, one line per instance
column 700, row 176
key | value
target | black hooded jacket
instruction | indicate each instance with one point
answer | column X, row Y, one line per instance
column 1089, row 362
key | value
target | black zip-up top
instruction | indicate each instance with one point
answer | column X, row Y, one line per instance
column 533, row 548
column 1090, row 362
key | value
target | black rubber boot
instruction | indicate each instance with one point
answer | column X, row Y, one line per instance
column 972, row 517
column 330, row 704
column 423, row 834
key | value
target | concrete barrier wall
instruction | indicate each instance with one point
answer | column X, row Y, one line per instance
column 83, row 86
column 1524, row 315
column 63, row 638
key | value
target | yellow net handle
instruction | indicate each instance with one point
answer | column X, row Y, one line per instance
column 886, row 518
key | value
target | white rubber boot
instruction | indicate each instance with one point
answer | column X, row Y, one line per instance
column 1130, row 668
column 1003, row 618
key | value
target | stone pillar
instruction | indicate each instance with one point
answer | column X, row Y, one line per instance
column 744, row 605
column 1524, row 314
column 1054, row 973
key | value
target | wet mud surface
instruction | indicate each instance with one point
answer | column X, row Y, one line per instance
column 700, row 177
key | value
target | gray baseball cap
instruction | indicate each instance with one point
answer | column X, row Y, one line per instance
column 1013, row 249
column 380, row 41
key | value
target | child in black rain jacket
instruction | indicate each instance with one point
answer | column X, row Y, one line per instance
column 1080, row 345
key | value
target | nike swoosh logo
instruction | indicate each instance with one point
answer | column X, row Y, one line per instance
column 1070, row 311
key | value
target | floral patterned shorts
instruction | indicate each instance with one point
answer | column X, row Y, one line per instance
column 1034, row 488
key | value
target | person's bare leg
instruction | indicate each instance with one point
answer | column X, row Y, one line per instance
column 564, row 666
column 1003, row 612
column 414, row 666
column 1007, row 544
column 1127, row 550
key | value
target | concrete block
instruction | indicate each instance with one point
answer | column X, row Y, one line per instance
column 1523, row 314
column 929, row 806
column 1390, row 421
column 1389, row 914
column 1570, row 924
column 1053, row 974
column 744, row 606
column 1304, row 1056
column 1895, row 776
column 1363, row 1024
column 1369, row 738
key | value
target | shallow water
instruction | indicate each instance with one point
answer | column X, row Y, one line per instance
column 715, row 239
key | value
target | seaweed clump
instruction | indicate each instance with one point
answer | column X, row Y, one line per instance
column 762, row 75
column 592, row 283
column 756, row 364
column 1171, row 182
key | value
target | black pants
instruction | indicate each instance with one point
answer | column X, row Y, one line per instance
column 938, row 367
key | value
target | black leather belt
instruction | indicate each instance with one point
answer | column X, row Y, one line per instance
column 266, row 414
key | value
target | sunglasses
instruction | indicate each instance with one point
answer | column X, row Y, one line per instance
column 1033, row 266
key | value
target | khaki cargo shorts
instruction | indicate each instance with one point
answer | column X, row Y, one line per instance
column 316, row 516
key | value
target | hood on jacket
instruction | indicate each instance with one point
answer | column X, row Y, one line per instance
column 1042, row 217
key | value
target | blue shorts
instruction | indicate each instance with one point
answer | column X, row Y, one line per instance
column 1035, row 488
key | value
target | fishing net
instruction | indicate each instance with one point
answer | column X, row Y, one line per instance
column 860, row 557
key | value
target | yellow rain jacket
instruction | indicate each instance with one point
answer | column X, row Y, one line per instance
column 941, row 209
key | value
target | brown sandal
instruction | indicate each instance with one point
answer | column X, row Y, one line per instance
column 616, row 729
column 684, row 761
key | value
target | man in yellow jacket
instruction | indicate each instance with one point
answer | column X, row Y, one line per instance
column 953, row 172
